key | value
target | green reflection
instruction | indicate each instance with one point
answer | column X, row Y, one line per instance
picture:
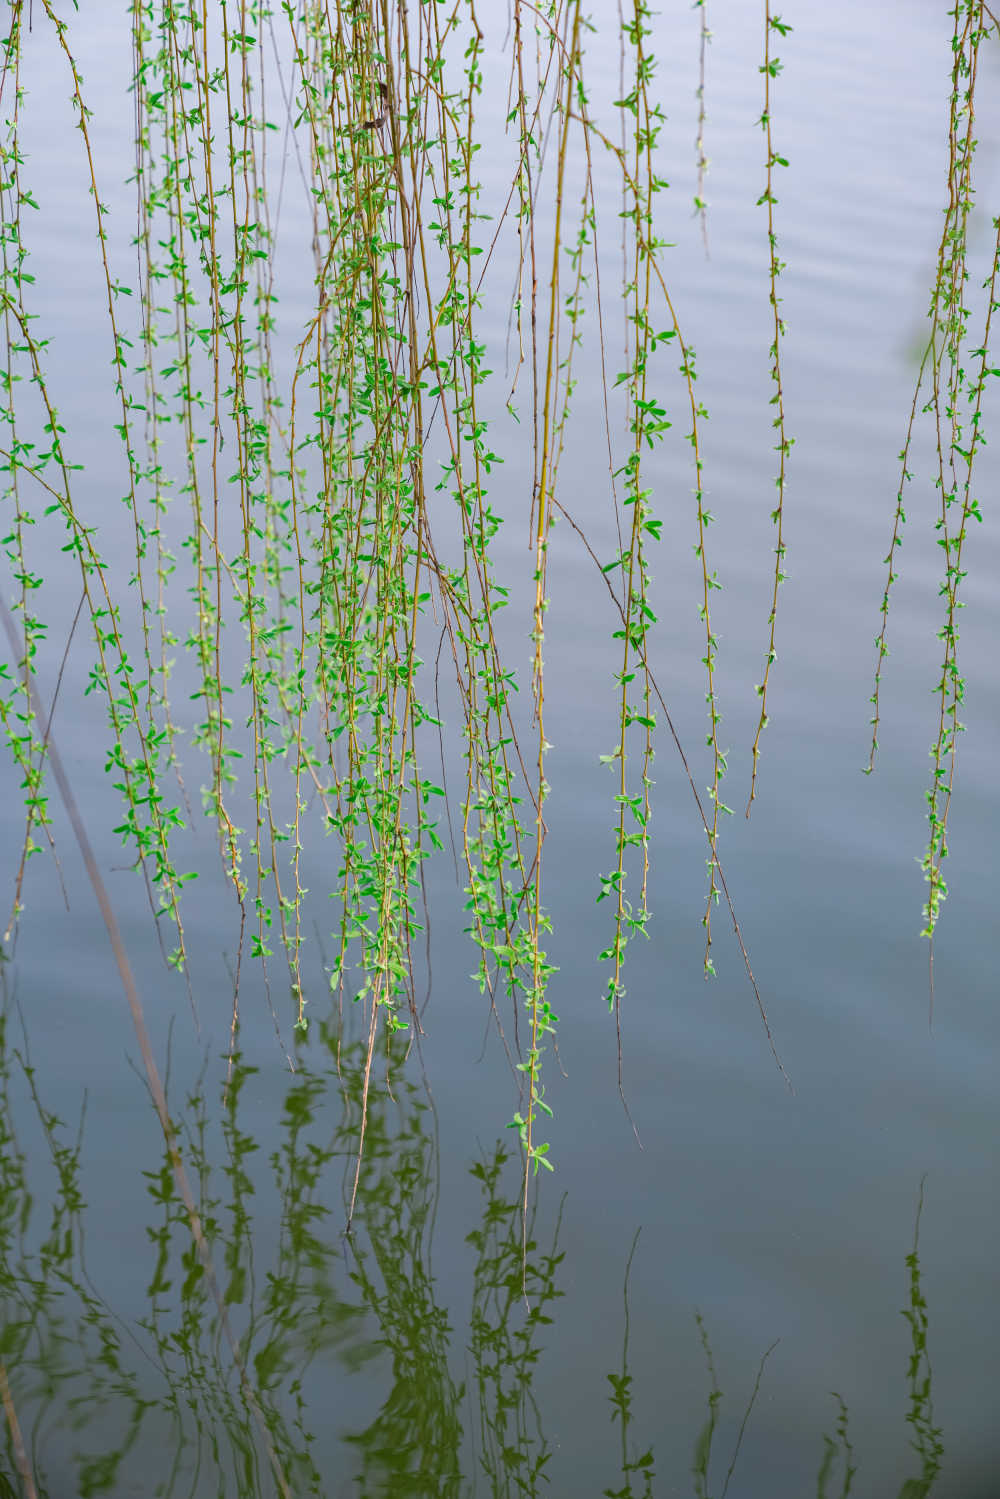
column 514, row 1288
column 838, row 1466
column 69, row 1360
column 412, row 1447
column 364, row 1380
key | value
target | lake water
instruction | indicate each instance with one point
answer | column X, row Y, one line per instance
column 753, row 1217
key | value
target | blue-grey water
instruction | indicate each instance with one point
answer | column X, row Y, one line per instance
column 403, row 1362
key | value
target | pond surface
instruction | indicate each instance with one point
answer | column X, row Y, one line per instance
column 761, row 1241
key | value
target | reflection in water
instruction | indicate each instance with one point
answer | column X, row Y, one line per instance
column 703, row 1446
column 66, row 1356
column 640, row 1468
column 412, row 1447
column 102, row 1402
column 514, row 1289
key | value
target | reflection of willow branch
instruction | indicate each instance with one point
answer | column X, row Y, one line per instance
column 926, row 1436
column 14, row 1205
column 834, row 1448
column 513, row 1288
column 61, row 1346
column 297, row 1316
column 926, row 1440
column 747, row 1414
column 703, row 1446
column 14, row 1429
column 211, row 1433
column 58, row 1342
column 68, row 1357
column 413, row 1445
column 621, row 1403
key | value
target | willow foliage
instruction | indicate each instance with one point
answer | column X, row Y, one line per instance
column 303, row 537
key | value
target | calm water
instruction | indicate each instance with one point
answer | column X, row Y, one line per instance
column 403, row 1361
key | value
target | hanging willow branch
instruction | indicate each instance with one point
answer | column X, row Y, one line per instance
column 957, row 365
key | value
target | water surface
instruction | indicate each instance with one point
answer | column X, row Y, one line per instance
column 403, row 1361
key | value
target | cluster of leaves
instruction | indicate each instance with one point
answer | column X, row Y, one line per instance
column 310, row 519
column 957, row 366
